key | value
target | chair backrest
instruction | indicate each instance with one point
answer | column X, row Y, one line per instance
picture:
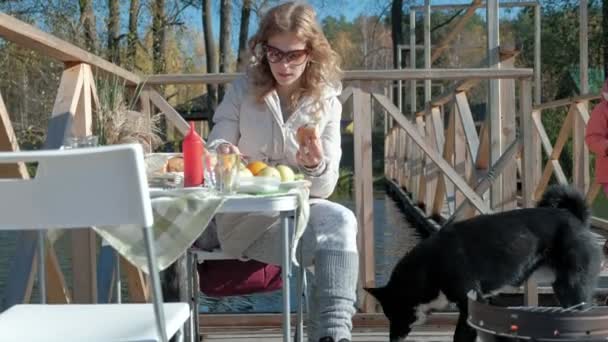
column 74, row 188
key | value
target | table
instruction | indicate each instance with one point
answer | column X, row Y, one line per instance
column 285, row 204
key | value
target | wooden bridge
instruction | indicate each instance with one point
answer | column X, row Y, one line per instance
column 447, row 163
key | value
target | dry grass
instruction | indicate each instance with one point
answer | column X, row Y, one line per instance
column 117, row 123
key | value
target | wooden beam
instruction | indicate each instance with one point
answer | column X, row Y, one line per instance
column 57, row 289
column 364, row 200
column 455, row 30
column 346, row 94
column 466, row 118
column 466, row 84
column 484, row 184
column 436, row 74
column 8, row 142
column 546, row 143
column 136, row 282
column 594, row 190
column 567, row 101
column 465, row 6
column 46, row 44
column 171, row 114
column 562, row 138
column 447, row 169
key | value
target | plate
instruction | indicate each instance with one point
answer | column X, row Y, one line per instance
column 155, row 192
column 295, row 184
column 258, row 185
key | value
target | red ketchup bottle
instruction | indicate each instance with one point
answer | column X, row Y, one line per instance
column 193, row 150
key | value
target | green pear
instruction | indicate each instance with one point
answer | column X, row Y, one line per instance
column 286, row 172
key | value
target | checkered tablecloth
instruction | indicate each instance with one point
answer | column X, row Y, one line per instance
column 179, row 218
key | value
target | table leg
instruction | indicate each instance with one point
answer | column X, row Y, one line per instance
column 285, row 265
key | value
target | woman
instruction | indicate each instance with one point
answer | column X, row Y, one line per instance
column 596, row 137
column 294, row 81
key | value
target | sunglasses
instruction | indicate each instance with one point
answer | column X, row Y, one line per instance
column 293, row 57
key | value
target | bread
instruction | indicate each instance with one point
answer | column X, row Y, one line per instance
column 306, row 133
column 175, row 164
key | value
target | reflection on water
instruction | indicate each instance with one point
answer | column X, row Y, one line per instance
column 393, row 238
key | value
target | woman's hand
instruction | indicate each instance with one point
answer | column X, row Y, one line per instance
column 228, row 148
column 310, row 154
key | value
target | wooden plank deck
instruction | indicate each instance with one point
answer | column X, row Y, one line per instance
column 366, row 327
column 358, row 336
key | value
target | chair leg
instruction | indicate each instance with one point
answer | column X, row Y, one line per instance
column 42, row 265
column 155, row 280
column 300, row 295
column 117, row 280
column 196, row 298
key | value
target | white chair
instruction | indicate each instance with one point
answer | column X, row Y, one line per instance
column 80, row 188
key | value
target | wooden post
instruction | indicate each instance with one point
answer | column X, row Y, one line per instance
column 420, row 181
column 494, row 107
column 580, row 152
column 529, row 162
column 413, row 60
column 443, row 189
column 435, row 140
column 537, row 53
column 427, row 50
column 364, row 200
column 74, row 97
column 508, row 114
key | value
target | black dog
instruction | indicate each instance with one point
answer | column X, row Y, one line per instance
column 489, row 252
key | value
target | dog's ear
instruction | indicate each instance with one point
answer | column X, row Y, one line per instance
column 377, row 292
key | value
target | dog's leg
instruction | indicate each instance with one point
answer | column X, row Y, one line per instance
column 464, row 332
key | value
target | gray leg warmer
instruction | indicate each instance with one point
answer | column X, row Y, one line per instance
column 336, row 275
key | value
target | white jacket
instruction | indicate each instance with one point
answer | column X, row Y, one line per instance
column 259, row 132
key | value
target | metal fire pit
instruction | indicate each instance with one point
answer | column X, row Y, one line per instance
column 523, row 323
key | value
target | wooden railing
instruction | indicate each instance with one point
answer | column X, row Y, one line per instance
column 435, row 163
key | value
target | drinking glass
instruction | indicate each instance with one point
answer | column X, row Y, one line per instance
column 227, row 172
column 80, row 141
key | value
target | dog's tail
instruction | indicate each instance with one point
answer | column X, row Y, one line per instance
column 566, row 197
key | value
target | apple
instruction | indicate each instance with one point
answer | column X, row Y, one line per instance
column 269, row 171
column 244, row 172
column 286, row 172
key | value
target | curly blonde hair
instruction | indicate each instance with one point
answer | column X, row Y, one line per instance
column 324, row 63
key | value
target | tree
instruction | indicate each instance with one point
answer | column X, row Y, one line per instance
column 396, row 29
column 113, row 31
column 225, row 22
column 158, row 36
column 209, row 51
column 244, row 33
column 132, row 37
column 87, row 20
